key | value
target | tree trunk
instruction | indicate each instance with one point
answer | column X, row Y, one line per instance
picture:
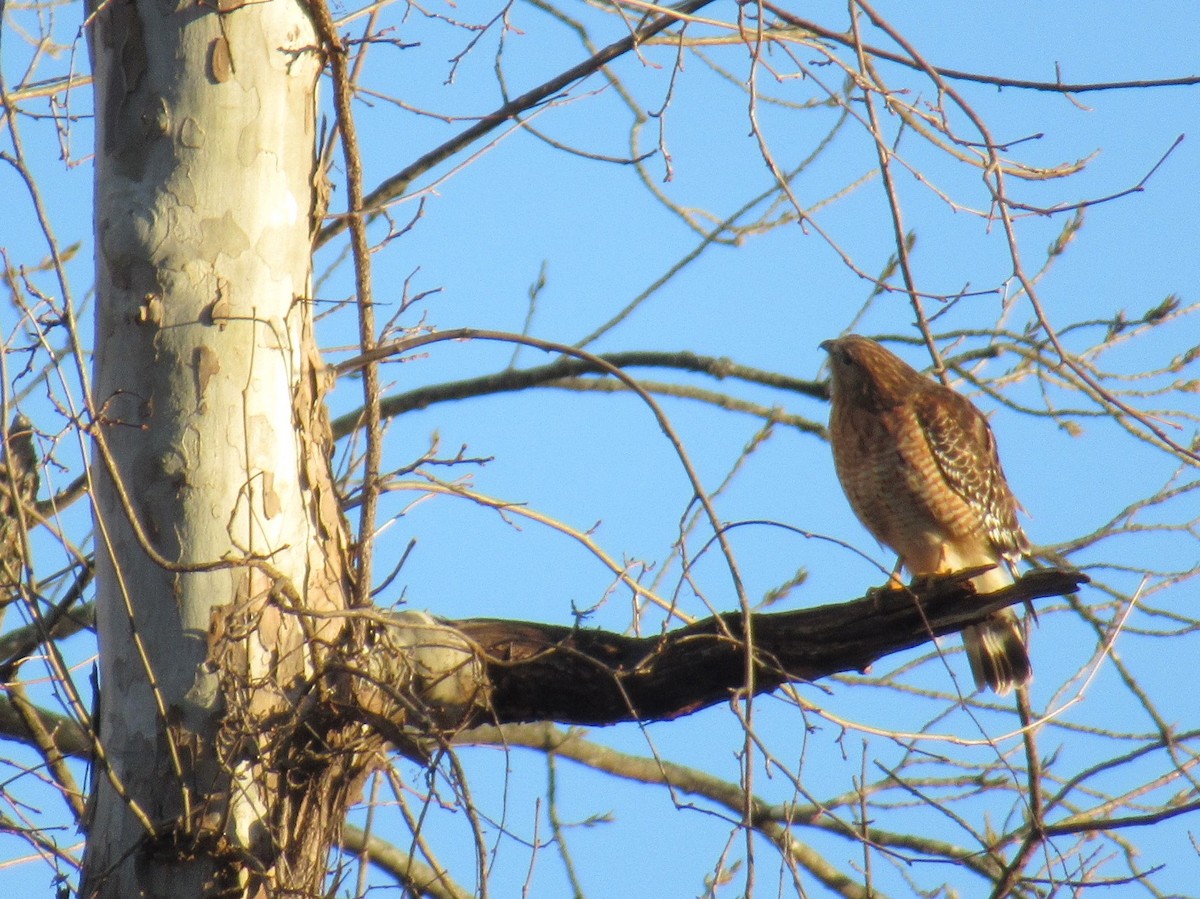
column 215, row 513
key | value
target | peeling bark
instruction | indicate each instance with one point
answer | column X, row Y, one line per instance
column 216, row 514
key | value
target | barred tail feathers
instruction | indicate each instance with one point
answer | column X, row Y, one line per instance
column 996, row 651
column 996, row 648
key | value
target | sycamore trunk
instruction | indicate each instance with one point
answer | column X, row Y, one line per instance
column 214, row 509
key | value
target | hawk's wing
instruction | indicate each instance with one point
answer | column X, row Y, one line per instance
column 964, row 449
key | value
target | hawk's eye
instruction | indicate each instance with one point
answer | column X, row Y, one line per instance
column 844, row 358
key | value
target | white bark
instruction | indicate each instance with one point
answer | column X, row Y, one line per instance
column 204, row 128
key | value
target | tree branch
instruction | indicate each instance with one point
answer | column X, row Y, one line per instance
column 545, row 672
column 68, row 737
column 511, row 380
column 395, row 186
column 538, row 672
column 1057, row 86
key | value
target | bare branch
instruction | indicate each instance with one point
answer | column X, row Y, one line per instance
column 577, row 676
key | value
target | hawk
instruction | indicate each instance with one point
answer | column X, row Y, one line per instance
column 18, row 488
column 919, row 465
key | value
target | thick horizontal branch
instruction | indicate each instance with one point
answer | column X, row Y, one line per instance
column 512, row 380
column 489, row 671
column 538, row 672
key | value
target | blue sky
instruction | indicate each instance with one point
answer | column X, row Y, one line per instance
column 598, row 462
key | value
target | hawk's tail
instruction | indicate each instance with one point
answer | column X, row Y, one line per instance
column 996, row 650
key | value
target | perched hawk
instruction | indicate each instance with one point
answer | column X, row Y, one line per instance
column 918, row 463
column 18, row 487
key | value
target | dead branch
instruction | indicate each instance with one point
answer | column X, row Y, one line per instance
column 543, row 672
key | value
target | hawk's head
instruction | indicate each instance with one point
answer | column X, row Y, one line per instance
column 863, row 373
